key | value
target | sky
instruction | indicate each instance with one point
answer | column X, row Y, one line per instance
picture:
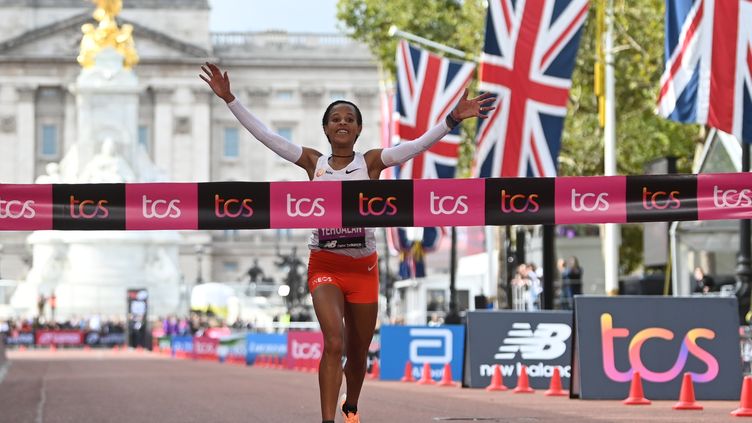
column 317, row 16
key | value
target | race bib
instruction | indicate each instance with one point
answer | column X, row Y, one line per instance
column 335, row 238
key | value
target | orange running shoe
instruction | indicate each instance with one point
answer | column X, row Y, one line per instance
column 348, row 417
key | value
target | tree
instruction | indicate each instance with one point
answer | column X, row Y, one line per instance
column 641, row 134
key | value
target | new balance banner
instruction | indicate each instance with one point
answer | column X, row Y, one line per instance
column 539, row 340
column 418, row 345
column 662, row 338
column 353, row 204
column 267, row 344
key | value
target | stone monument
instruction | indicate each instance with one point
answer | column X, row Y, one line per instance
column 89, row 272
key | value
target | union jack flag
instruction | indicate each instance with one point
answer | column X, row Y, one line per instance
column 428, row 87
column 708, row 75
column 527, row 61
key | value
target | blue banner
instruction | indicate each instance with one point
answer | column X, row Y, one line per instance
column 182, row 343
column 265, row 344
column 422, row 344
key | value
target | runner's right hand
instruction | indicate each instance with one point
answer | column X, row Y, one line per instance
column 218, row 81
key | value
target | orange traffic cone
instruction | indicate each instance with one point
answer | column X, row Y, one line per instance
column 87, row 347
column 687, row 395
column 53, row 348
column 554, row 389
column 497, row 384
column 446, row 377
column 408, row 377
column 426, row 378
column 21, row 348
column 375, row 370
column 523, row 383
column 745, row 402
column 636, row 397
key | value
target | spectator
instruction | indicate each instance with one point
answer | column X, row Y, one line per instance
column 703, row 282
column 571, row 279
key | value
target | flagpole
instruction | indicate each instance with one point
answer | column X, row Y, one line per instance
column 611, row 236
column 396, row 32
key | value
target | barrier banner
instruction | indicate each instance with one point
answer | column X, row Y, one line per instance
column 304, row 349
column 59, row 337
column 232, row 346
column 94, row 338
column 205, row 348
column 182, row 346
column 379, row 203
column 268, row 344
column 435, row 345
column 662, row 338
column 20, row 338
column 539, row 340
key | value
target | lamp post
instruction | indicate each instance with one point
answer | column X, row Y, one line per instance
column 199, row 257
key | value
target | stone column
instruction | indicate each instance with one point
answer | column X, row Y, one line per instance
column 163, row 130
column 202, row 135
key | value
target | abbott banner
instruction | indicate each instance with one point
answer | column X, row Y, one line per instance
column 539, row 340
column 337, row 204
column 662, row 338
column 435, row 345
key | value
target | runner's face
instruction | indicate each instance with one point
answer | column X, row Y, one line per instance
column 342, row 128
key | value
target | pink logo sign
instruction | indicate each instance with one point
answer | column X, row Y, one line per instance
column 455, row 202
column 592, row 199
column 25, row 207
column 724, row 196
column 306, row 205
column 161, row 206
column 304, row 349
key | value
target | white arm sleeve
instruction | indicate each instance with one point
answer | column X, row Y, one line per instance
column 284, row 148
column 399, row 154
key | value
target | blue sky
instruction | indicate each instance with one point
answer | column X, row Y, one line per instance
column 259, row 15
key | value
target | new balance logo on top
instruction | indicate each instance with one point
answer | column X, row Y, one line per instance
column 546, row 343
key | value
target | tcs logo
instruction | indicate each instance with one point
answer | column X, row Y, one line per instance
column 15, row 209
column 304, row 207
column 88, row 209
column 376, row 206
column 160, row 209
column 688, row 346
column 730, row 198
column 519, row 203
column 448, row 204
column 589, row 201
column 232, row 207
column 660, row 199
column 305, row 350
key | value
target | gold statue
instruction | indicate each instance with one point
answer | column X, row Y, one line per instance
column 107, row 34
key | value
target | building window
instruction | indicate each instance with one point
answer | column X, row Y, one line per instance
column 285, row 132
column 231, row 143
column 50, row 146
column 143, row 136
column 337, row 95
column 285, row 95
column 230, row 266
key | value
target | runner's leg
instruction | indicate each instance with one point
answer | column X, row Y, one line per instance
column 328, row 302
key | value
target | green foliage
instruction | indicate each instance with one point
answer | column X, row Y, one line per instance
column 641, row 134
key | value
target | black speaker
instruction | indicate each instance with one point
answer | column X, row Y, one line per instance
column 481, row 302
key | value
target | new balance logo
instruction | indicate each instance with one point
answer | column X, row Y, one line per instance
column 546, row 343
column 349, row 171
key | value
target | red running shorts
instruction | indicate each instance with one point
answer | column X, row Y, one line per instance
column 357, row 278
